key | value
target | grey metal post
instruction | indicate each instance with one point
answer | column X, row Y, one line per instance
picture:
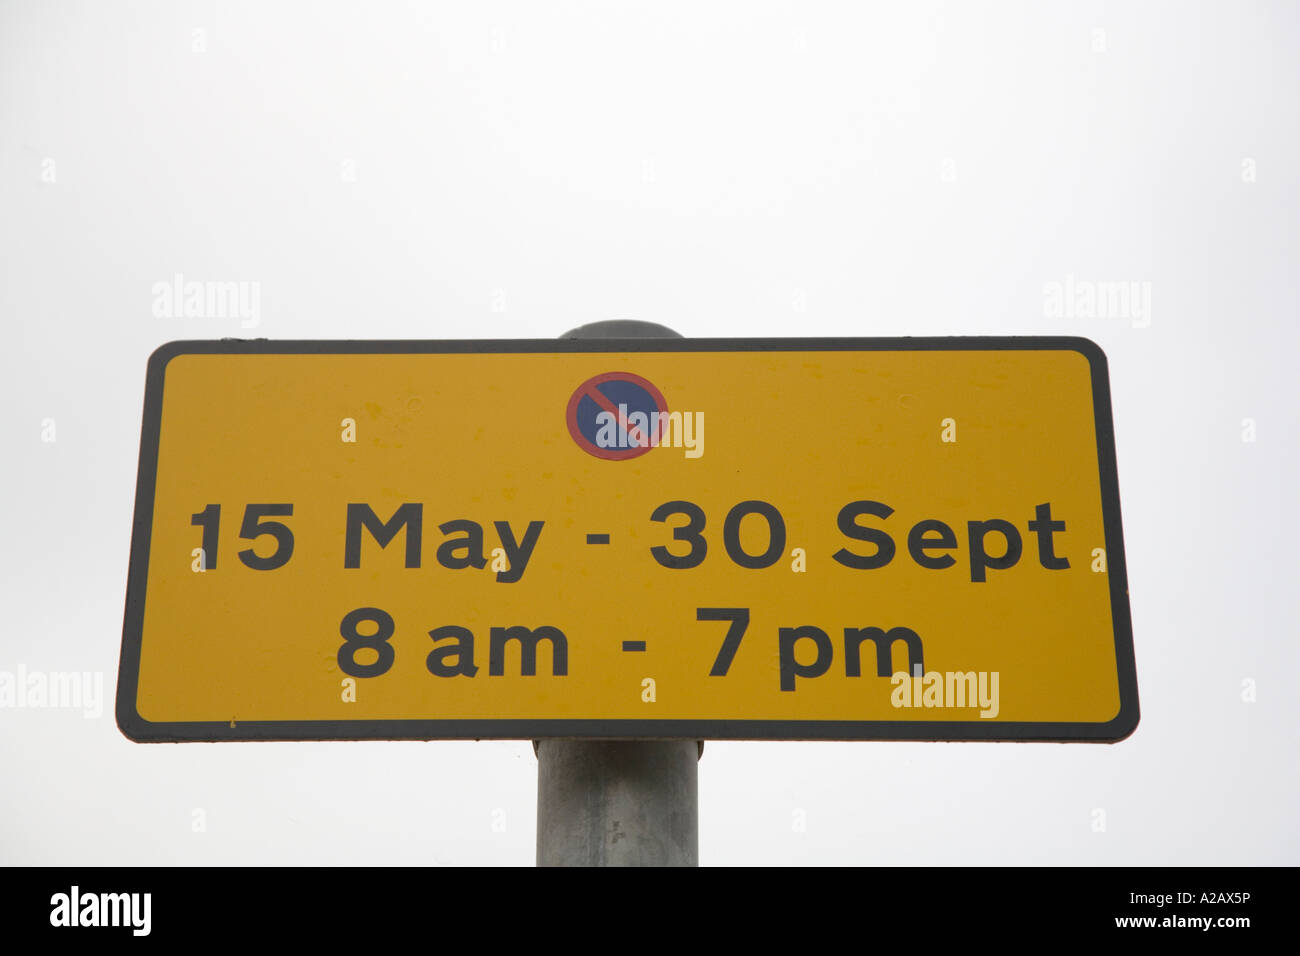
column 618, row 802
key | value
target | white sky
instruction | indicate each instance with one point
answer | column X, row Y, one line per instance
column 506, row 170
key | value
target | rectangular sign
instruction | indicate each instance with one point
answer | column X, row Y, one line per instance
column 909, row 539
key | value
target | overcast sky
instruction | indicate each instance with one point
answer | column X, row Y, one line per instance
column 510, row 170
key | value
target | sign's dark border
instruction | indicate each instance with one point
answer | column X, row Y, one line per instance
column 137, row 728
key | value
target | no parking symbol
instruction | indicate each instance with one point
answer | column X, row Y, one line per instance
column 616, row 416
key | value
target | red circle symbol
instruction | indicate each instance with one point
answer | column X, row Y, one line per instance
column 623, row 395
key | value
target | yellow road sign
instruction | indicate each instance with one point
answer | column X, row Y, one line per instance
column 807, row 539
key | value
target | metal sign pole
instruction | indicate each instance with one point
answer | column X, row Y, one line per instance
column 618, row 802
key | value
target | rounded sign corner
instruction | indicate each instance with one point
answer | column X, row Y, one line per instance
column 132, row 725
column 1122, row 725
column 1090, row 350
column 163, row 354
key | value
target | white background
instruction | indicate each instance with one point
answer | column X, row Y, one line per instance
column 502, row 170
